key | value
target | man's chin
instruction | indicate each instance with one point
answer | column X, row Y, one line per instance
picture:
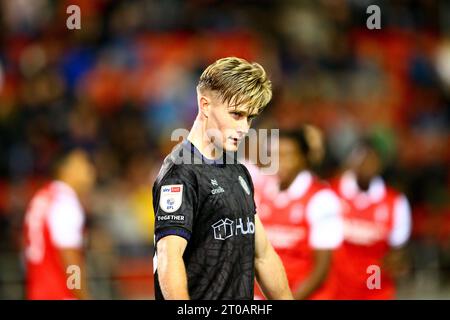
column 231, row 147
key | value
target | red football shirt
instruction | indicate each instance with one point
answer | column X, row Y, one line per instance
column 374, row 221
column 54, row 220
column 299, row 220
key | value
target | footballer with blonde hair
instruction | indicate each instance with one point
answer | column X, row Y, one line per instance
column 210, row 244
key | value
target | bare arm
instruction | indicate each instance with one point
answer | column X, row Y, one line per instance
column 171, row 269
column 270, row 272
column 74, row 257
column 322, row 261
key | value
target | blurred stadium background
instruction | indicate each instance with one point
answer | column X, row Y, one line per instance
column 122, row 83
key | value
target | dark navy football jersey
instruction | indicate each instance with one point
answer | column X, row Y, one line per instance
column 210, row 204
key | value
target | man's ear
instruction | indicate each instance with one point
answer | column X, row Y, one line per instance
column 204, row 104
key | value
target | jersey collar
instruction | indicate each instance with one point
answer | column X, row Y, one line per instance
column 300, row 185
column 226, row 158
column 349, row 187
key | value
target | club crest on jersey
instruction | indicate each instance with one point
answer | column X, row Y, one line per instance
column 244, row 185
column 171, row 197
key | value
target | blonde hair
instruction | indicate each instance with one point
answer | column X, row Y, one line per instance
column 238, row 83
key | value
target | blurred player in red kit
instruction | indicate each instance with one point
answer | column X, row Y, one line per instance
column 302, row 216
column 53, row 230
column 377, row 221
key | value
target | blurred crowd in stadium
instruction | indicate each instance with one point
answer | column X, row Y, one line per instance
column 122, row 83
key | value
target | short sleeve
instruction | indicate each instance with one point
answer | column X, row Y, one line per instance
column 174, row 203
column 66, row 221
column 324, row 214
column 401, row 229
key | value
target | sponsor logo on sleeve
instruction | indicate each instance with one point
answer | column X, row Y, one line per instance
column 171, row 198
column 171, row 217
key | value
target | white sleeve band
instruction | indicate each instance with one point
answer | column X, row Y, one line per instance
column 401, row 229
column 66, row 221
column 324, row 213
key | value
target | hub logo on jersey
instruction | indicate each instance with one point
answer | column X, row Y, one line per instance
column 171, row 197
column 244, row 185
column 225, row 228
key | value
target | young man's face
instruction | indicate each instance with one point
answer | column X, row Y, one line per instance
column 80, row 171
column 366, row 164
column 227, row 126
column 291, row 160
column 316, row 144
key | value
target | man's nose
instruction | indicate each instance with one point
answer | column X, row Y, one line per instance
column 243, row 127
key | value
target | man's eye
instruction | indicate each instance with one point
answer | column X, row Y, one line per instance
column 236, row 114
